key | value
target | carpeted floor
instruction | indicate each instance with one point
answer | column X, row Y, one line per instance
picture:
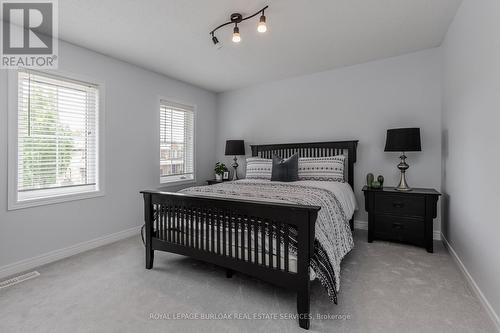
column 386, row 287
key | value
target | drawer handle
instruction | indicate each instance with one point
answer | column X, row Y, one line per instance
column 397, row 226
column 398, row 204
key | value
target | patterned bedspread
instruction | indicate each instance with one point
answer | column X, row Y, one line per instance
column 333, row 235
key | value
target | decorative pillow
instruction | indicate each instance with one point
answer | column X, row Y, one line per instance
column 259, row 168
column 285, row 170
column 322, row 168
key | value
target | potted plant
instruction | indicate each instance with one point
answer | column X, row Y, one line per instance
column 220, row 168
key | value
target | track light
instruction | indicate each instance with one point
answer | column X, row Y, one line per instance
column 236, row 34
column 214, row 39
column 217, row 44
column 237, row 18
column 262, row 24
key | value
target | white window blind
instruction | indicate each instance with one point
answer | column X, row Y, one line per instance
column 57, row 136
column 176, row 142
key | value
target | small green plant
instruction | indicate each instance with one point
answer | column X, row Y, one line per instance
column 220, row 168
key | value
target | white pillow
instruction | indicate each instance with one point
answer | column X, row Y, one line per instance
column 259, row 168
column 329, row 168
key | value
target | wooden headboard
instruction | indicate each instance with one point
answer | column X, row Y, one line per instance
column 312, row 149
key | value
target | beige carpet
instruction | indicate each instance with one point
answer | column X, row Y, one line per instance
column 385, row 288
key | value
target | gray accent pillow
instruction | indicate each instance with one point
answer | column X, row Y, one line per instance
column 285, row 170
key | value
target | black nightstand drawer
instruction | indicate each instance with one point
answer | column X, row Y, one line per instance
column 400, row 229
column 400, row 204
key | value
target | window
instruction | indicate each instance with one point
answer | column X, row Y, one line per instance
column 176, row 142
column 56, row 140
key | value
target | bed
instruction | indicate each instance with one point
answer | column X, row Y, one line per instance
column 283, row 233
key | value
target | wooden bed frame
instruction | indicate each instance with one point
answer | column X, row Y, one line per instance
column 195, row 225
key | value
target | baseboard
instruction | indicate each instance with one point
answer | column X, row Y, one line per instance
column 473, row 285
column 52, row 256
column 363, row 225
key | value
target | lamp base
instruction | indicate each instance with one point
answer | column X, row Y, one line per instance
column 404, row 189
column 403, row 166
column 235, row 166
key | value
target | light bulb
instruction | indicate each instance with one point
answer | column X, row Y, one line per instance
column 262, row 24
column 236, row 35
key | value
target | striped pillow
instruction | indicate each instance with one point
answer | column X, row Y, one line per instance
column 259, row 168
column 322, row 168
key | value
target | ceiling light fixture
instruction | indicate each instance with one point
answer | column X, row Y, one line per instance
column 262, row 23
column 236, row 34
column 238, row 18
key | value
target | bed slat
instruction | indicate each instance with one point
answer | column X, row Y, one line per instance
column 236, row 237
column 164, row 214
column 183, row 222
column 225, row 236
column 271, row 228
column 249, row 238
column 278, row 245
column 242, row 224
column 286, row 244
column 263, row 242
column 256, row 241
column 230, row 230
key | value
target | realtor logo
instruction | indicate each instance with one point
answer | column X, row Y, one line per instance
column 29, row 34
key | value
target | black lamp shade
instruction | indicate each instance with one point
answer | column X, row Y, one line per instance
column 235, row 147
column 403, row 139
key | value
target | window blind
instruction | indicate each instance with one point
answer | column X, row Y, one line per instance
column 57, row 135
column 176, row 142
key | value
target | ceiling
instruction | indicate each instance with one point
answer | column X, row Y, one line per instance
column 172, row 36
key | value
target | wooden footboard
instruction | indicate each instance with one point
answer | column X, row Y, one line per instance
column 251, row 237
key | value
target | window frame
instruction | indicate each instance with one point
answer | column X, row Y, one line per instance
column 58, row 196
column 163, row 180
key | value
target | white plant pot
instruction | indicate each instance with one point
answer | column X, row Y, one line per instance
column 218, row 177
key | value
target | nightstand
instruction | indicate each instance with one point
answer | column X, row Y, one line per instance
column 213, row 181
column 401, row 216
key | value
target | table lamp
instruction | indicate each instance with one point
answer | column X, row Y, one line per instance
column 235, row 148
column 403, row 140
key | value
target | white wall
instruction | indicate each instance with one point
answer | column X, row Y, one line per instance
column 131, row 99
column 471, row 137
column 359, row 102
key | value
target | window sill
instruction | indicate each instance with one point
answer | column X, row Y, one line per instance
column 16, row 204
column 168, row 183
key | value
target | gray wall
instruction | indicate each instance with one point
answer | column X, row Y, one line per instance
column 132, row 158
column 358, row 102
column 471, row 137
